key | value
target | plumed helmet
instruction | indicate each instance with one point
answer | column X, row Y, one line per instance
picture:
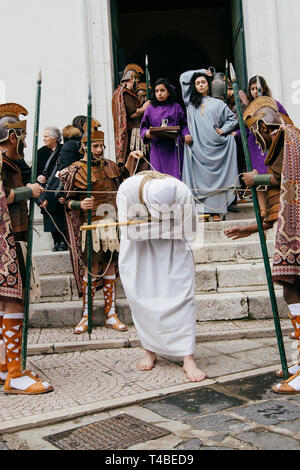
column 132, row 70
column 263, row 109
column 10, row 123
column 96, row 134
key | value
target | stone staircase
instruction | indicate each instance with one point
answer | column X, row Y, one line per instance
column 230, row 278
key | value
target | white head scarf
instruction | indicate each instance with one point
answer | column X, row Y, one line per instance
column 160, row 196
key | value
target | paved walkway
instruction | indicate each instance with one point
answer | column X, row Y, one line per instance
column 96, row 380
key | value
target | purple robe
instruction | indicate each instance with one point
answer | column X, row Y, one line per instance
column 258, row 158
column 166, row 154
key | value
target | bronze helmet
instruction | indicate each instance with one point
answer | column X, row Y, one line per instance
column 10, row 123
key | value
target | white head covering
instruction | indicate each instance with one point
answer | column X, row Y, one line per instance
column 160, row 195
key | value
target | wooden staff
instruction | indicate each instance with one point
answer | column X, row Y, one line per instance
column 113, row 224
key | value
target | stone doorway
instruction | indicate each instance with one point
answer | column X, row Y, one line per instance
column 178, row 39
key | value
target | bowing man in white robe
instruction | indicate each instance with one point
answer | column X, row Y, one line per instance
column 157, row 267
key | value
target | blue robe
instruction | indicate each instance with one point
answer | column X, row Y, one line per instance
column 210, row 163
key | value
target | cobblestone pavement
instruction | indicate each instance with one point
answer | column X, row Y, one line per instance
column 239, row 414
column 88, row 382
column 204, row 331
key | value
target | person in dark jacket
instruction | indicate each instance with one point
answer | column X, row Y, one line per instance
column 52, row 210
column 72, row 136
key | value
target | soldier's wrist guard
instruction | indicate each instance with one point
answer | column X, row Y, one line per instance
column 21, row 194
column 75, row 205
column 262, row 180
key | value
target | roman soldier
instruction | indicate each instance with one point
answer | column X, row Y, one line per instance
column 127, row 115
column 141, row 92
column 106, row 178
column 14, row 222
column 281, row 139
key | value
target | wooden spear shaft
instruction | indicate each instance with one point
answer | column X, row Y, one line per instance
column 30, row 227
column 260, row 228
column 113, row 224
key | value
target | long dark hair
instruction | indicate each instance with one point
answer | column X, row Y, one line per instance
column 79, row 122
column 171, row 89
column 196, row 97
column 265, row 89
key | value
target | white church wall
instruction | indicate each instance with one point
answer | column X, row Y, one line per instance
column 272, row 38
column 47, row 35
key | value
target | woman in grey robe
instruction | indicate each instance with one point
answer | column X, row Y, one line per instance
column 210, row 162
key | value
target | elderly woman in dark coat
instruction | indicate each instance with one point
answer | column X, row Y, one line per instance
column 52, row 210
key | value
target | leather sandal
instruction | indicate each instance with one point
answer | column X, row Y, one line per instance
column 2, row 382
column 82, row 327
column 279, row 374
column 285, row 388
column 36, row 388
column 117, row 325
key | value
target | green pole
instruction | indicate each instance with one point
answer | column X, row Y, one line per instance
column 260, row 228
column 226, row 81
column 89, row 194
column 30, row 226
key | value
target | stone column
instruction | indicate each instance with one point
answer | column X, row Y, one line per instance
column 99, row 65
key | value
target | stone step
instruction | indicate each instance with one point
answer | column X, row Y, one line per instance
column 62, row 340
column 213, row 232
column 209, row 307
column 214, row 277
column 231, row 251
column 48, row 263
column 230, row 278
column 246, row 211
column 210, row 232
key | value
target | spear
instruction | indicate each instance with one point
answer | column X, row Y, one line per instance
column 89, row 215
column 31, row 221
column 226, row 81
column 147, row 77
column 260, row 228
column 259, row 87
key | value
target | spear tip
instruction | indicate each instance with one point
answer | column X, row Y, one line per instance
column 232, row 73
column 90, row 94
column 146, row 60
column 39, row 77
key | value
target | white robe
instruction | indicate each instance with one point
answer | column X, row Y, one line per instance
column 158, row 274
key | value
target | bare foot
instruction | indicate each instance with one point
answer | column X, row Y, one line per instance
column 148, row 361
column 191, row 370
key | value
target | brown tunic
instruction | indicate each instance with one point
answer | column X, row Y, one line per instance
column 132, row 104
column 105, row 184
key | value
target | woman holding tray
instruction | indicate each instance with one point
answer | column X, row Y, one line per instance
column 166, row 151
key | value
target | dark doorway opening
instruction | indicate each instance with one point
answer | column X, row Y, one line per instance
column 196, row 35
